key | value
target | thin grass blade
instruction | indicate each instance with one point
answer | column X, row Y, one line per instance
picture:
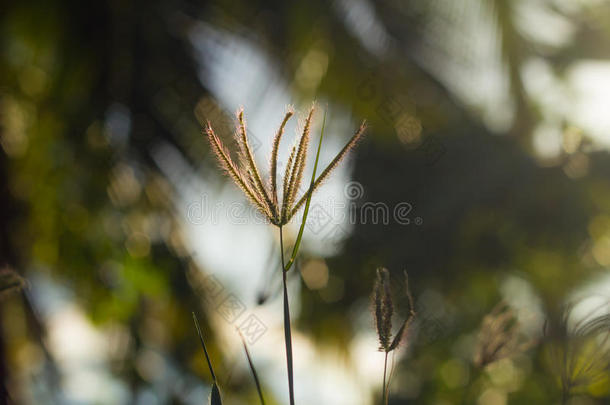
column 252, row 369
column 205, row 350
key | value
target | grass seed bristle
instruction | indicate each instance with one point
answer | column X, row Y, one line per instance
column 274, row 152
column 287, row 183
column 301, row 157
column 226, row 163
column 251, row 163
column 384, row 308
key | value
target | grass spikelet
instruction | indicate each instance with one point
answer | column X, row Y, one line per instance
column 331, row 166
column 226, row 163
column 288, row 198
column 301, row 158
column 248, row 157
column 256, row 186
column 384, row 308
column 274, row 151
column 286, row 188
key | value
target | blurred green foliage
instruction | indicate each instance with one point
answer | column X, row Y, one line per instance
column 88, row 89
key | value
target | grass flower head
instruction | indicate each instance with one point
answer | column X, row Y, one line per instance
column 263, row 194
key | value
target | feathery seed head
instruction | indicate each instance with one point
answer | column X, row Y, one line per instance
column 500, row 336
column 383, row 306
column 248, row 178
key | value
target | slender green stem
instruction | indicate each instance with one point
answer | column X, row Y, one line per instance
column 287, row 331
column 384, row 398
column 286, row 267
